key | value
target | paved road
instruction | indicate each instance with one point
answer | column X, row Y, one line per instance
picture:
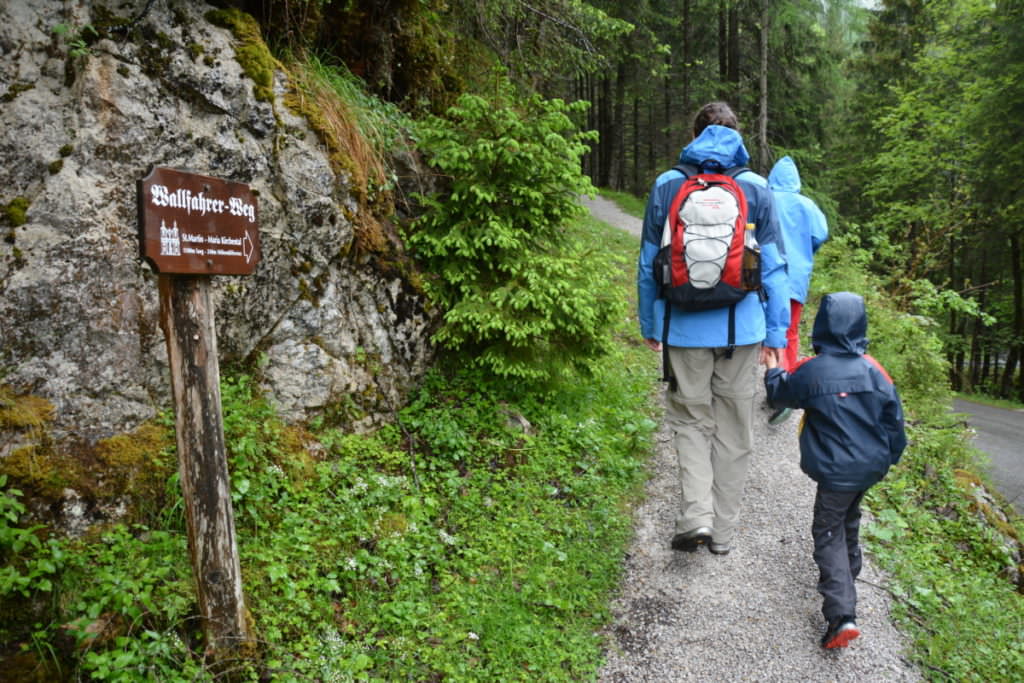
column 1000, row 434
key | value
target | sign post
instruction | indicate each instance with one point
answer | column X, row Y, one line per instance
column 192, row 226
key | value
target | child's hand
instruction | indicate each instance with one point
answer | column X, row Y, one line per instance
column 770, row 357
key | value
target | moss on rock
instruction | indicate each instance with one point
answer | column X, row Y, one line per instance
column 14, row 90
column 252, row 53
column 16, row 211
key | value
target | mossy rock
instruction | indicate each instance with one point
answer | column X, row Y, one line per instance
column 132, row 467
column 252, row 53
column 14, row 90
column 23, row 412
column 16, row 211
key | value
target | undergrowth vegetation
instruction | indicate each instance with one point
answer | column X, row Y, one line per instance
column 952, row 553
column 478, row 538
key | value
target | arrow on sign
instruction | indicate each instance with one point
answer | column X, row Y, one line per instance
column 247, row 247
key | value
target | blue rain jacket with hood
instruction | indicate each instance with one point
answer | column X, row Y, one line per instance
column 804, row 228
column 852, row 429
column 756, row 321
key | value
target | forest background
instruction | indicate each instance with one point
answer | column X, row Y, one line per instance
column 470, row 540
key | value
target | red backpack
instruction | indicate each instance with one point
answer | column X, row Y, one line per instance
column 700, row 265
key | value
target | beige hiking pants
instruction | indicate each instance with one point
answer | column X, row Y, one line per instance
column 710, row 415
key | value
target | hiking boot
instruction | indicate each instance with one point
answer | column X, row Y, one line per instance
column 719, row 548
column 839, row 633
column 779, row 416
column 692, row 539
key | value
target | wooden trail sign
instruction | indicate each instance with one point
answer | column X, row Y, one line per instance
column 192, row 226
column 198, row 225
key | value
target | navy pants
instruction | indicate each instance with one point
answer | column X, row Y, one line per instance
column 836, row 532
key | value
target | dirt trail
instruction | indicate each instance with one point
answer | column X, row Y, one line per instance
column 752, row 615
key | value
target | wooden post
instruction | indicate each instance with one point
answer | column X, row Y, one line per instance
column 186, row 316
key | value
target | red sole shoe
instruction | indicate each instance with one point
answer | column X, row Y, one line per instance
column 842, row 637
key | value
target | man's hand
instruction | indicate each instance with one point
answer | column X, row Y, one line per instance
column 771, row 358
column 653, row 344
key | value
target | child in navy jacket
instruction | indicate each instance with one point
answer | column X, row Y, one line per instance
column 852, row 432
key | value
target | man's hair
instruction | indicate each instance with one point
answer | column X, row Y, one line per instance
column 714, row 114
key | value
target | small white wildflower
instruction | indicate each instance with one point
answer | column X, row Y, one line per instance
column 275, row 469
column 446, row 538
column 352, row 564
column 472, row 636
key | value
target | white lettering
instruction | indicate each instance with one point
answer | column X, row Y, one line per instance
column 236, row 207
column 158, row 194
column 183, row 198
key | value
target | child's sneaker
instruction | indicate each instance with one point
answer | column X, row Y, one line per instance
column 840, row 632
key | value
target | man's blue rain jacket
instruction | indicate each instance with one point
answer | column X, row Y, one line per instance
column 804, row 228
column 756, row 321
column 852, row 429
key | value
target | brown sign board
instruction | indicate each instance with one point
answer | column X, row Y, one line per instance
column 198, row 225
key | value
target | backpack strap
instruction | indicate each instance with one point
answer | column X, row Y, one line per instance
column 666, row 365
column 689, row 170
column 732, row 332
column 735, row 171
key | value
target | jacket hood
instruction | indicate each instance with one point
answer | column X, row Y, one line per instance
column 784, row 176
column 717, row 143
column 841, row 325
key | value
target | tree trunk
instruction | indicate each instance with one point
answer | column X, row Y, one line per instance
column 607, row 140
column 687, row 105
column 592, row 124
column 723, row 46
column 1009, row 371
column 762, row 115
column 978, row 335
column 666, row 128
column 955, row 354
column 636, row 146
column 652, row 147
column 619, row 126
column 1018, row 309
column 734, row 54
column 958, row 356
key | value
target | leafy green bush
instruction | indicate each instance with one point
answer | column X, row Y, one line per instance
column 522, row 297
column 27, row 563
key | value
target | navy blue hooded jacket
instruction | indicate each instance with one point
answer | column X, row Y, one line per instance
column 852, row 430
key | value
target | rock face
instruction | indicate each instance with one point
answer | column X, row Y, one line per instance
column 79, row 310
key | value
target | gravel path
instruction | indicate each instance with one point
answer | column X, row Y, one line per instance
column 751, row 615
